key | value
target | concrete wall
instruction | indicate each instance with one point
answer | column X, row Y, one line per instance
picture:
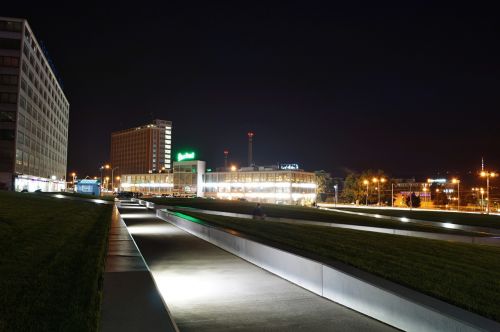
column 360, row 291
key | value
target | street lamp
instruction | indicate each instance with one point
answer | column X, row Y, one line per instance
column 74, row 177
column 379, row 181
column 424, row 189
column 366, row 182
column 118, row 178
column 488, row 175
column 112, row 178
column 101, row 170
column 457, row 181
column 392, row 194
column 481, row 190
column 336, row 197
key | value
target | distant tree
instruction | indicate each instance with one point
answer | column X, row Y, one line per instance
column 440, row 198
column 413, row 200
column 355, row 190
column 324, row 184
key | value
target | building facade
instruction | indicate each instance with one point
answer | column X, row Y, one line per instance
column 267, row 186
column 188, row 178
column 149, row 184
column 144, row 149
column 34, row 113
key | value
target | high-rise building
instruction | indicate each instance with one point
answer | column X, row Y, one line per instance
column 145, row 149
column 34, row 113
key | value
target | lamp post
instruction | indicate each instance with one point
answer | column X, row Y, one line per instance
column 488, row 175
column 481, row 191
column 424, row 189
column 392, row 194
column 482, row 199
column 101, row 169
column 458, row 192
column 379, row 181
column 366, row 182
column 112, row 179
column 336, row 197
column 74, row 177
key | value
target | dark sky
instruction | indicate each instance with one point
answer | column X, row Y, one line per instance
column 413, row 89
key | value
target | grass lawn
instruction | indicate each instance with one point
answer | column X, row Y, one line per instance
column 306, row 213
column 466, row 275
column 51, row 262
column 80, row 195
column 472, row 219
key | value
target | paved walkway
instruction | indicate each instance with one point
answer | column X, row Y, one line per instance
column 209, row 289
column 131, row 301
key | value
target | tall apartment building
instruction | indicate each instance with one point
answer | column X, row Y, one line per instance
column 34, row 113
column 145, row 149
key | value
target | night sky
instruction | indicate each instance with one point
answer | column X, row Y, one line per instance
column 412, row 90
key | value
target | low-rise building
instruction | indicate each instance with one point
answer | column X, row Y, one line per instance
column 257, row 184
column 266, row 185
column 149, row 184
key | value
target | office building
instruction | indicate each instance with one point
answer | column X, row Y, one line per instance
column 144, row 149
column 34, row 113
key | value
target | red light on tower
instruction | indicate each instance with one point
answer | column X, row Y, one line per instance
column 250, row 134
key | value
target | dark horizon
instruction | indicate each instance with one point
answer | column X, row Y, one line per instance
column 412, row 90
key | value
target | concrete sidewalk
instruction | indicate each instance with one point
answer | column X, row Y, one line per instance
column 131, row 301
column 209, row 289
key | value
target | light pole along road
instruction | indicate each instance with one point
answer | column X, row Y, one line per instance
column 488, row 175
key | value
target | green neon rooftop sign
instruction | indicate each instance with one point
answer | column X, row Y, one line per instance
column 185, row 156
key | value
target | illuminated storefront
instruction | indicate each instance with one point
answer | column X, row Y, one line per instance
column 154, row 184
column 269, row 186
column 280, row 185
column 33, row 183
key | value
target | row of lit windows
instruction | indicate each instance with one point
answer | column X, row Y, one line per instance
column 260, row 177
